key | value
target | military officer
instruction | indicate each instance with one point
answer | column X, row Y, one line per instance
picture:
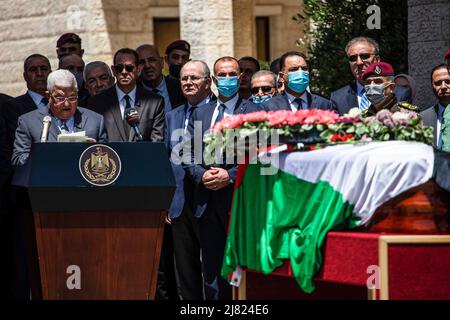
column 379, row 88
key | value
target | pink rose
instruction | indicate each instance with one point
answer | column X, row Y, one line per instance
column 279, row 118
column 258, row 116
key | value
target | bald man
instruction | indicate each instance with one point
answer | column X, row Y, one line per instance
column 152, row 78
column 75, row 64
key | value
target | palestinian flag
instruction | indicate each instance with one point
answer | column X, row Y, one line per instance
column 287, row 214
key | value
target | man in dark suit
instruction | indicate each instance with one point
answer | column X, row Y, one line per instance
column 36, row 70
column 295, row 75
column 214, row 183
column 5, row 244
column 196, row 86
column 117, row 100
column 152, row 78
column 66, row 117
column 434, row 115
column 361, row 52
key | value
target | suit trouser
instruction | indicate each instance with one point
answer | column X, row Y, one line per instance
column 166, row 287
column 213, row 225
column 186, row 247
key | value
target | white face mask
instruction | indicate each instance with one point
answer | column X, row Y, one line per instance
column 375, row 92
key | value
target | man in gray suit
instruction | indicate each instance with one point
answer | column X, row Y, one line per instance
column 126, row 94
column 65, row 114
column 434, row 115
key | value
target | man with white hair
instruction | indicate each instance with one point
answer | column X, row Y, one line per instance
column 65, row 114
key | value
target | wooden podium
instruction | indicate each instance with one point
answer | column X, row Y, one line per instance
column 91, row 241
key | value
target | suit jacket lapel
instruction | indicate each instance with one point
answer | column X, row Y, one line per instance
column 53, row 131
column 309, row 98
column 79, row 121
column 114, row 110
column 240, row 106
column 139, row 106
column 352, row 96
column 286, row 105
column 208, row 115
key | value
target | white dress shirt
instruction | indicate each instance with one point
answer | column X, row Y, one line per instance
column 229, row 108
column 293, row 104
column 37, row 99
column 122, row 102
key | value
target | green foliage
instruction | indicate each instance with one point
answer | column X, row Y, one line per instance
column 336, row 22
column 265, row 65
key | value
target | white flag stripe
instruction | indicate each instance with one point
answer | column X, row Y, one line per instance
column 366, row 175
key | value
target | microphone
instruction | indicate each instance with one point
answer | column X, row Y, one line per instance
column 133, row 119
column 45, row 125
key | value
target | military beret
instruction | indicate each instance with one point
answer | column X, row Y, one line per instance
column 68, row 38
column 379, row 69
column 447, row 54
column 178, row 44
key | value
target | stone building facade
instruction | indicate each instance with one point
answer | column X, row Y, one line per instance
column 213, row 27
column 428, row 39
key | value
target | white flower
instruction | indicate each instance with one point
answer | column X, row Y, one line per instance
column 401, row 118
column 353, row 113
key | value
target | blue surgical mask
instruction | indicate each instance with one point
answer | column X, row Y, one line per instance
column 298, row 81
column 227, row 86
column 261, row 99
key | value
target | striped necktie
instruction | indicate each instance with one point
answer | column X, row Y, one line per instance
column 299, row 103
column 221, row 113
column 44, row 101
column 365, row 103
column 64, row 128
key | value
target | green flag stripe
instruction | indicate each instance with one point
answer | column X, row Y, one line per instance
column 276, row 217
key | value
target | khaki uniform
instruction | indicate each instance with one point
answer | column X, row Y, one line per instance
column 393, row 106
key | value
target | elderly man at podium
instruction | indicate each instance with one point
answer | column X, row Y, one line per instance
column 61, row 119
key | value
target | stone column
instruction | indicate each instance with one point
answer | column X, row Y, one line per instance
column 244, row 28
column 428, row 39
column 208, row 26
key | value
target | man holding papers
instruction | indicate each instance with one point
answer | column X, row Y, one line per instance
column 61, row 120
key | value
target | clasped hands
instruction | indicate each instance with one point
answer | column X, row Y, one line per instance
column 216, row 178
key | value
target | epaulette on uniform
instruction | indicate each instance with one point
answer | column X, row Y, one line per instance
column 408, row 106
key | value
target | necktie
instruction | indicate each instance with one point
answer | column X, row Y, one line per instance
column 64, row 128
column 221, row 113
column 156, row 91
column 365, row 103
column 299, row 103
column 188, row 116
column 44, row 101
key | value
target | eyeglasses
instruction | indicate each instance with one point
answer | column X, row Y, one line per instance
column 71, row 99
column 128, row 67
column 264, row 89
column 193, row 78
column 363, row 56
column 438, row 83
